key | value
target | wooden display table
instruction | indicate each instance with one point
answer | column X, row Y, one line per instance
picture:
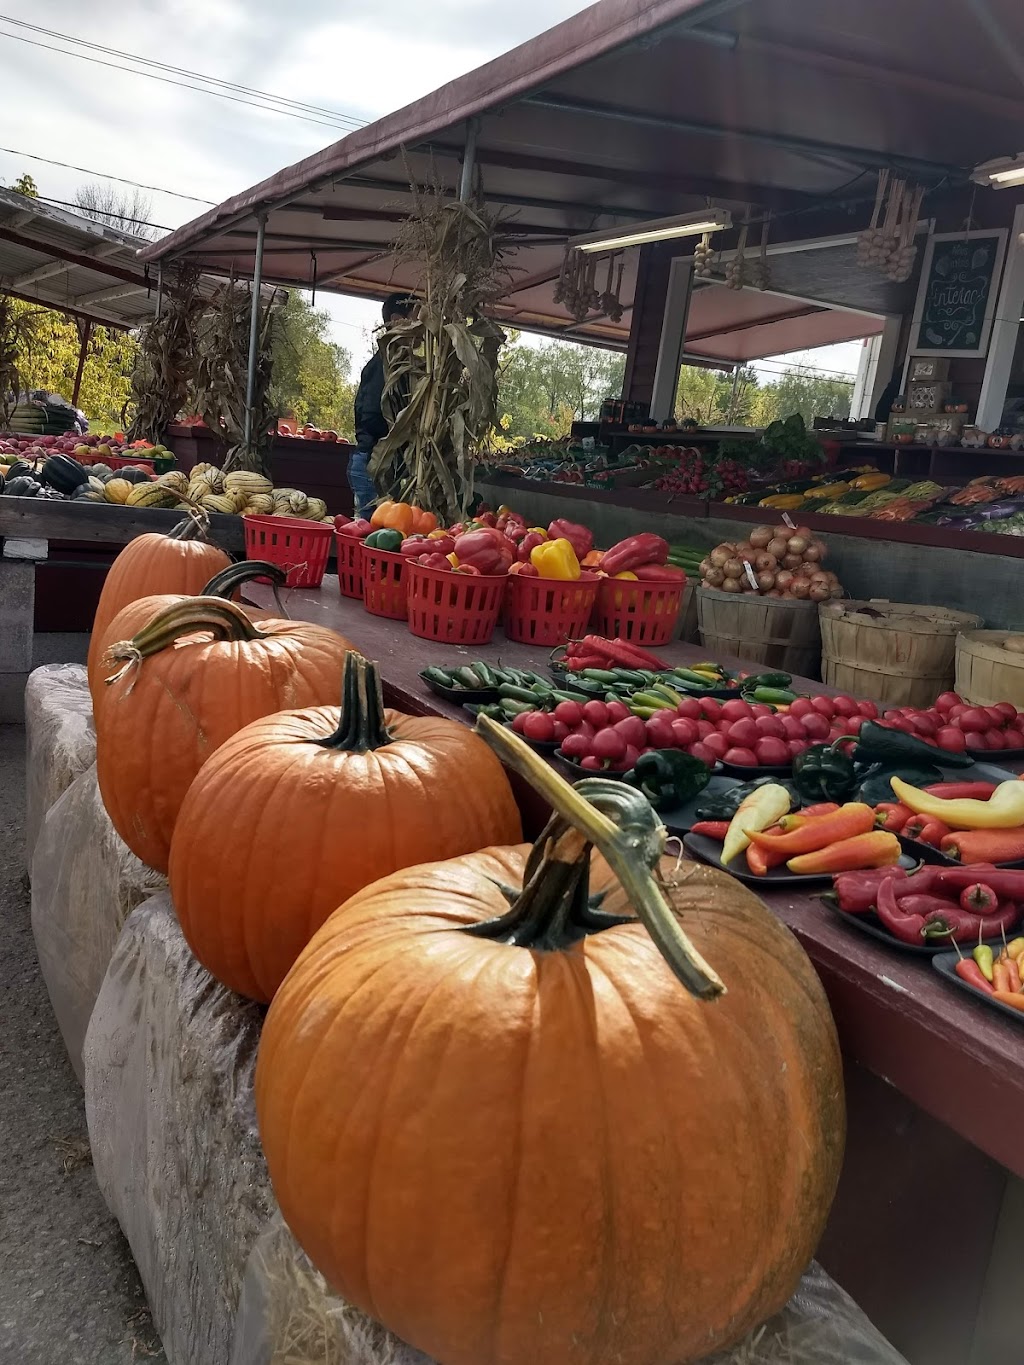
column 935, row 1082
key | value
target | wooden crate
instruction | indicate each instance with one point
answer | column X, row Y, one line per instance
column 894, row 652
column 772, row 631
column 986, row 673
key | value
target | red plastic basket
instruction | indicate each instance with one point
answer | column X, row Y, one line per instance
column 548, row 611
column 350, row 566
column 385, row 583
column 643, row 613
column 116, row 462
column 299, row 546
column 457, row 608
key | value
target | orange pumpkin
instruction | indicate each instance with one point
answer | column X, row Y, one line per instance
column 133, row 617
column 322, row 803
column 497, row 1123
column 179, row 562
column 191, row 678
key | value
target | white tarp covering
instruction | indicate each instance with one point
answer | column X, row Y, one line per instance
column 60, row 740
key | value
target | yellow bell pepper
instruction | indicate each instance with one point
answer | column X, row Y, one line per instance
column 555, row 559
column 1003, row 810
column 626, row 574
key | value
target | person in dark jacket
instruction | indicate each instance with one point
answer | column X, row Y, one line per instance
column 371, row 424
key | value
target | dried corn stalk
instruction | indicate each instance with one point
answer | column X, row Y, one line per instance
column 165, row 368
column 441, row 367
column 223, row 354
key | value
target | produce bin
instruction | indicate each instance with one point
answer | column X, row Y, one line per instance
column 893, row 652
column 457, row 608
column 987, row 671
column 547, row 611
column 301, row 547
column 773, row 631
column 385, row 583
column 642, row 613
column 350, row 565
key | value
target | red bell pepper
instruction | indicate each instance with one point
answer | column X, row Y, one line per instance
column 420, row 545
column 528, row 544
column 360, row 528
column 486, row 550
column 434, row 561
column 581, row 538
column 658, row 573
column 470, row 569
column 628, row 554
column 514, row 529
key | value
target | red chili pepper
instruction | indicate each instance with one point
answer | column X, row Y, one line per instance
column 906, row 928
column 711, row 829
column 1000, row 977
column 919, row 883
column 988, row 845
column 961, row 791
column 621, row 653
column 578, row 662
column 1013, row 971
column 855, row 892
column 962, row 927
column 812, row 812
column 970, row 972
column 892, row 816
column 761, row 860
column 926, row 830
column 635, row 550
column 921, row 904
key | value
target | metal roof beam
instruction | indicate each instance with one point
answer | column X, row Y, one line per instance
column 114, row 291
column 102, row 267
column 58, row 306
column 46, row 272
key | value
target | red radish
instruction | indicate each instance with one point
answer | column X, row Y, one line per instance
column 705, row 755
column 585, row 728
column 597, row 713
column 815, row 726
column 868, row 710
column 792, row 727
column 608, row 743
column 759, row 709
column 973, row 720
column 690, row 708
column 710, row 708
column 1007, row 709
column 617, row 710
column 1014, row 738
column 824, row 706
column 770, row 727
column 980, row 741
column 743, row 733
column 632, row 730
column 569, row 713
column 979, row 899
column 924, row 725
column 519, row 721
column 996, row 716
column 951, row 739
column 661, row 731
column 771, row 752
column 715, row 744
column 724, row 726
column 741, row 758
column 704, row 728
column 684, row 732
column 539, row 726
column 801, row 707
column 628, row 759
column 576, row 746
column 946, row 702
column 736, row 709
column 561, row 731
column 845, row 706
column 995, row 739
column 593, row 764
column 796, row 746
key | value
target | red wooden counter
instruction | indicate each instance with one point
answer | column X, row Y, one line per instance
column 935, row 1083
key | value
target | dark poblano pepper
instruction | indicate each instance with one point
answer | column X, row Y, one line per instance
column 878, row 744
column 668, row 777
column 824, row 773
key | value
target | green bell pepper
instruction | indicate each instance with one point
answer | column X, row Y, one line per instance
column 385, row 539
column 824, row 773
column 668, row 777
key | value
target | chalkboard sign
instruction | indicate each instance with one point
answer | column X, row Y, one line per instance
column 957, row 298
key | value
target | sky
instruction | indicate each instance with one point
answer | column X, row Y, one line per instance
column 359, row 61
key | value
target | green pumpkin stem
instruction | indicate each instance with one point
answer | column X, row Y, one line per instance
column 235, row 576
column 553, row 908
column 361, row 725
column 226, row 620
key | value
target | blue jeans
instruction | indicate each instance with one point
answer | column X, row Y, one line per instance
column 364, row 495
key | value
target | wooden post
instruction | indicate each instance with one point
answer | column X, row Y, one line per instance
column 86, row 333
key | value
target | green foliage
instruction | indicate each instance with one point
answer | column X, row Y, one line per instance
column 716, row 399
column 543, row 389
column 49, row 360
column 27, row 186
column 311, row 372
column 805, row 391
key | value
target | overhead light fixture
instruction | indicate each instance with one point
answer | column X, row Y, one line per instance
column 1002, row 173
column 658, row 230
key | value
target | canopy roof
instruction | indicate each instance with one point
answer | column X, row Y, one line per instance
column 642, row 109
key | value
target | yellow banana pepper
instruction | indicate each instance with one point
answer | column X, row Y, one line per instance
column 1003, row 810
column 555, row 559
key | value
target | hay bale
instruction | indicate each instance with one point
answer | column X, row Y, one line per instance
column 60, row 741
column 85, row 884
column 169, row 1060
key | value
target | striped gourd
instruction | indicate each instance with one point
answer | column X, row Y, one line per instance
column 175, row 481
column 247, row 482
column 316, row 509
column 298, row 503
column 117, row 490
column 218, row 502
column 150, row 495
column 258, row 505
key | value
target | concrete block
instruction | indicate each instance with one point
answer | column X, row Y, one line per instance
column 15, row 548
column 17, row 609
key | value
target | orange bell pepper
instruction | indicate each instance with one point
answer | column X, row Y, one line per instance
column 877, row 849
column 592, row 560
column 423, row 522
column 393, row 516
column 819, row 832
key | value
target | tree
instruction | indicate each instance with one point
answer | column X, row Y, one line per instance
column 806, row 391
column 27, row 186
column 127, row 211
column 543, row 389
column 715, row 398
column 311, row 372
column 49, row 360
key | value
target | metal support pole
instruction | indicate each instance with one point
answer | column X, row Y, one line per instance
column 86, row 333
column 469, row 161
column 254, row 326
column 159, row 289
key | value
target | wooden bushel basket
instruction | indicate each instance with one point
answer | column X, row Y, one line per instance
column 773, row 631
column 986, row 672
column 894, row 652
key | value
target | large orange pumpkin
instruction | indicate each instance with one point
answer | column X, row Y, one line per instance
column 179, row 562
column 132, row 618
column 191, row 678
column 497, row 1122
column 322, row 803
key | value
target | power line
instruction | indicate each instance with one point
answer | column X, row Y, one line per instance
column 104, row 213
column 334, row 121
column 83, row 170
column 182, row 71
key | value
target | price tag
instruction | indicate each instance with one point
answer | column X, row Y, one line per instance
column 750, row 575
column 789, row 521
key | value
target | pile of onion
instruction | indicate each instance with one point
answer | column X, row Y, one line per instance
column 774, row 561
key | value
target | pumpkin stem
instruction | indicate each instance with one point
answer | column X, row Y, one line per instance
column 226, row 620
column 361, row 725
column 196, row 526
column 553, row 908
column 235, row 576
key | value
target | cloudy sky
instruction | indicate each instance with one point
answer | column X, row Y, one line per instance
column 356, row 60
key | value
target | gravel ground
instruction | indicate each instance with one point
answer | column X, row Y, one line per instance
column 69, row 1290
